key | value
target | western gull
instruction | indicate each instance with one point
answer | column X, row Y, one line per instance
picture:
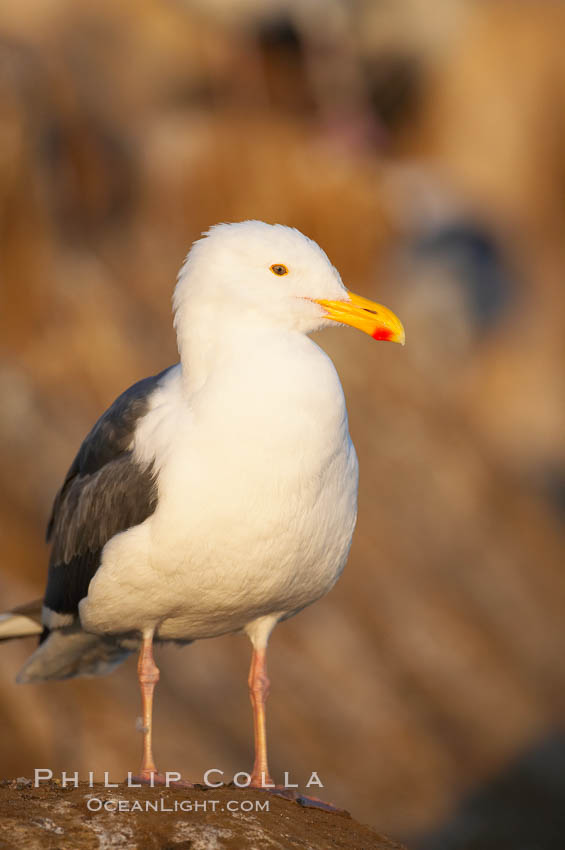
column 220, row 495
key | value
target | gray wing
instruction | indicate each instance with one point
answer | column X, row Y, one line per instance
column 105, row 492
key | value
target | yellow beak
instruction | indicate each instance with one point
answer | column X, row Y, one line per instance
column 373, row 319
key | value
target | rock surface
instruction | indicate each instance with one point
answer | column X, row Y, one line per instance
column 51, row 817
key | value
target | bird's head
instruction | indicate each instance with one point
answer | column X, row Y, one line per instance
column 251, row 271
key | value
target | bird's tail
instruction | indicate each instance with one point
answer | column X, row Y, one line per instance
column 69, row 652
column 23, row 621
column 62, row 653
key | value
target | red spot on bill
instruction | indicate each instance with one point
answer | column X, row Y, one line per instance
column 382, row 334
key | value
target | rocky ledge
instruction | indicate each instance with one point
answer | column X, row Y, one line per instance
column 51, row 817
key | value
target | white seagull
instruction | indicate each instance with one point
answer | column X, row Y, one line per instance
column 220, row 495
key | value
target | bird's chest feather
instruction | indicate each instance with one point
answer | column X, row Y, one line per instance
column 257, row 492
column 264, row 481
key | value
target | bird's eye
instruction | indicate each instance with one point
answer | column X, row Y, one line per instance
column 279, row 268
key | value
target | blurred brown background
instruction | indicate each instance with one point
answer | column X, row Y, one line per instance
column 423, row 145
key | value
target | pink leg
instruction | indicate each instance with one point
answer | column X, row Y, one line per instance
column 260, row 777
column 148, row 675
column 258, row 692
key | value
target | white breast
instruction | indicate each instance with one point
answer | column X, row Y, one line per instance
column 257, row 499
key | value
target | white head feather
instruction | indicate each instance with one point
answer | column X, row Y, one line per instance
column 227, row 278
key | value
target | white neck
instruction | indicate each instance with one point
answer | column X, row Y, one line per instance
column 253, row 372
column 209, row 341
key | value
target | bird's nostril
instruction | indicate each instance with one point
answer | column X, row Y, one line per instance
column 374, row 312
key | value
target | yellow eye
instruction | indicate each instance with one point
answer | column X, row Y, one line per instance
column 279, row 268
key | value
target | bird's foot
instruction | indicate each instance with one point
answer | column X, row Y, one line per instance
column 301, row 799
column 153, row 778
column 146, row 777
column 262, row 781
column 316, row 803
column 181, row 783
